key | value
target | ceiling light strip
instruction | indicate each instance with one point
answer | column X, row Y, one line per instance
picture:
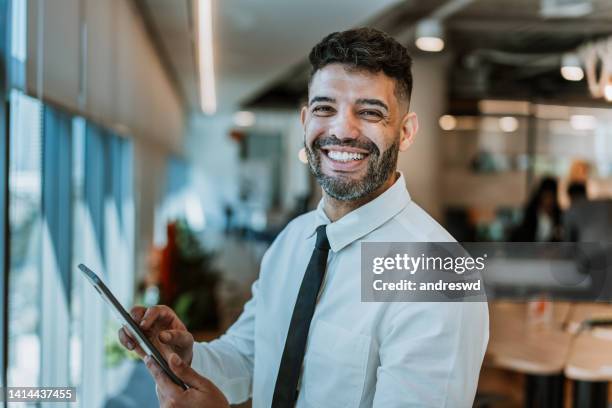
column 206, row 66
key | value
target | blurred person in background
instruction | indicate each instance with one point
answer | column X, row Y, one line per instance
column 576, row 192
column 587, row 220
column 542, row 215
column 589, row 224
column 354, row 354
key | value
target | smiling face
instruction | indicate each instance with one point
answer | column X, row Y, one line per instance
column 354, row 127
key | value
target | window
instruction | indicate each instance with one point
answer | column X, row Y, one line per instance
column 25, row 198
column 70, row 190
column 103, row 239
column 68, row 184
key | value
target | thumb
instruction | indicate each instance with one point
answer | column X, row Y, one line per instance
column 188, row 374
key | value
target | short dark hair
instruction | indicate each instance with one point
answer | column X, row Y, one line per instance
column 366, row 49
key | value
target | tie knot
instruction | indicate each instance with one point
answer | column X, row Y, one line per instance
column 322, row 241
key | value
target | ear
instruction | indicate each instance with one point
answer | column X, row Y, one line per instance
column 408, row 131
column 303, row 113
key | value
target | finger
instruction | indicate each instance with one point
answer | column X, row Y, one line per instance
column 125, row 339
column 129, row 342
column 156, row 314
column 176, row 338
column 188, row 374
column 137, row 312
column 165, row 386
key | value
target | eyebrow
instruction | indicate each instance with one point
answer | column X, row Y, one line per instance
column 321, row 99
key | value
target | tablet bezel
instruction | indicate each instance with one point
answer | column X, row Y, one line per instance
column 130, row 324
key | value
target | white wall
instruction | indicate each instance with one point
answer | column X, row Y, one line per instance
column 149, row 179
column 295, row 173
column 215, row 157
column 215, row 164
column 422, row 163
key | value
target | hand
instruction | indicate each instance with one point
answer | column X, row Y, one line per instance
column 202, row 392
column 165, row 330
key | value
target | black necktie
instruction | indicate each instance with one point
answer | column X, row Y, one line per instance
column 285, row 391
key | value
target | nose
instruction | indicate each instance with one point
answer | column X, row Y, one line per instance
column 345, row 126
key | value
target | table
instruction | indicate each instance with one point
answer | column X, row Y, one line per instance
column 540, row 352
column 589, row 363
column 583, row 311
column 548, row 353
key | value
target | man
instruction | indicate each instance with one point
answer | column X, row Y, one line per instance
column 587, row 220
column 589, row 224
column 306, row 343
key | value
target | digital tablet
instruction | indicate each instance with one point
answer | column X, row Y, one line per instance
column 129, row 324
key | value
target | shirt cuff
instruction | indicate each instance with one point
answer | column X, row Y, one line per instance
column 236, row 390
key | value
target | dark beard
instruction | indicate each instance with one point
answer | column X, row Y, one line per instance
column 380, row 168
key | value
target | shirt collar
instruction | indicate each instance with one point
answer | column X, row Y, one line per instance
column 364, row 219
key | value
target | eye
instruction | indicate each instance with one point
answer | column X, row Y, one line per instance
column 372, row 114
column 323, row 110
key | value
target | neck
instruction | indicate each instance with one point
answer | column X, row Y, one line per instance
column 336, row 209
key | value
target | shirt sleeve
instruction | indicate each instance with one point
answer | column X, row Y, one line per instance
column 431, row 354
column 228, row 361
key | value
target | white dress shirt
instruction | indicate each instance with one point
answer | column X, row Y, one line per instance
column 358, row 354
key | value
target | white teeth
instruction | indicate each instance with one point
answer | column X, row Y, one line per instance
column 344, row 156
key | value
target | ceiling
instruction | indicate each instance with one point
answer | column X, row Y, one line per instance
column 516, row 53
column 254, row 40
column 502, row 48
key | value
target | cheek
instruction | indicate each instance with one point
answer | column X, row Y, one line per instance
column 313, row 130
column 381, row 140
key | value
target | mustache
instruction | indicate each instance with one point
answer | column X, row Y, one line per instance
column 334, row 141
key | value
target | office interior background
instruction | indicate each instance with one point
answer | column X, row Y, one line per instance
column 158, row 142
